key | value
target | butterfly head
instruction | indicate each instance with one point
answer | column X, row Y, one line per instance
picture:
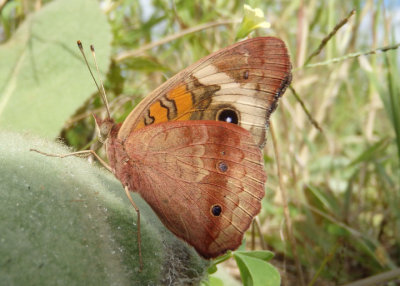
column 103, row 127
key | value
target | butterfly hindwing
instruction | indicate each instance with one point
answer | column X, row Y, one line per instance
column 204, row 179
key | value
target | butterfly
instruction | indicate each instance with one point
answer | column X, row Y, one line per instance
column 192, row 147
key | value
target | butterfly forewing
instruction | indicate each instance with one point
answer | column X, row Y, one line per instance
column 239, row 84
column 204, row 179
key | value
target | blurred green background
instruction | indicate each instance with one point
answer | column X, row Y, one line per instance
column 342, row 182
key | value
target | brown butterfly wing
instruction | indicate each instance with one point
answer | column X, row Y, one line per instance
column 241, row 83
column 204, row 179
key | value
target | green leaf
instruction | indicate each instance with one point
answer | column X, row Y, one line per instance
column 255, row 271
column 64, row 221
column 222, row 258
column 43, row 79
column 327, row 201
column 259, row 254
column 371, row 152
column 222, row 277
column 213, row 267
column 215, row 281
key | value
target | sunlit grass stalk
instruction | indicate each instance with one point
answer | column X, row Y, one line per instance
column 354, row 55
column 329, row 36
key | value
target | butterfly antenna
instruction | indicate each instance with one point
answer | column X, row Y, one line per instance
column 101, row 91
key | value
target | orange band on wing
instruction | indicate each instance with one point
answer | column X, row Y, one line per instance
column 158, row 112
column 183, row 101
column 177, row 104
column 140, row 125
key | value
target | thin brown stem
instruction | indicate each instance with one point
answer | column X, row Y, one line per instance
column 326, row 260
column 289, row 227
column 329, row 36
column 303, row 106
column 256, row 224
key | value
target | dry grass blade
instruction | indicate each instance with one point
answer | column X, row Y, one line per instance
column 355, row 55
column 125, row 55
column 329, row 36
column 378, row 279
column 303, row 106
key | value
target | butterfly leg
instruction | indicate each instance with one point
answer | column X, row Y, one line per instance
column 78, row 153
column 128, row 194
